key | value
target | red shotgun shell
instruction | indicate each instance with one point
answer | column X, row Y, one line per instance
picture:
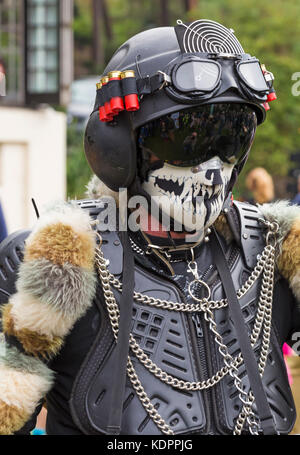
column 116, row 103
column 131, row 100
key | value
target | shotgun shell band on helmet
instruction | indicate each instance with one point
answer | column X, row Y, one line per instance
column 197, row 73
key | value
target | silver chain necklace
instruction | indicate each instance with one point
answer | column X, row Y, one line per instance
column 264, row 267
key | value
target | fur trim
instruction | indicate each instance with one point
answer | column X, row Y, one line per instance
column 57, row 280
column 24, row 381
column 67, row 289
column 12, row 418
column 22, row 390
column 289, row 260
column 295, row 285
column 56, row 284
column 32, row 342
column 288, row 255
column 36, row 315
column 67, row 213
column 11, row 358
column 60, row 244
column 96, row 189
column 223, row 228
column 62, row 234
column 283, row 213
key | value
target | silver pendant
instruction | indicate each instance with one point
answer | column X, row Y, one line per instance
column 196, row 298
column 193, row 268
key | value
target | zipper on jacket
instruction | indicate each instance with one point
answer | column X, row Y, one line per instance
column 206, row 350
column 204, row 355
column 211, row 351
column 201, row 366
column 200, row 345
column 198, row 326
column 203, row 346
column 198, row 348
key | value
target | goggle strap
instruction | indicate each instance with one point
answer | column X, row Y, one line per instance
column 151, row 84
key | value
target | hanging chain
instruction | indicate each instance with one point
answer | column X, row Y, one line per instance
column 263, row 320
column 191, row 308
column 113, row 312
column 265, row 301
column 170, row 380
column 144, row 399
column 232, row 368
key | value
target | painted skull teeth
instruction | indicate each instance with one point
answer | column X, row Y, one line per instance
column 184, row 187
column 198, row 195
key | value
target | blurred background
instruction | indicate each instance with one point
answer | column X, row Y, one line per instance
column 53, row 52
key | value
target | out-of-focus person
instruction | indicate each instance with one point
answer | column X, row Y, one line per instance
column 3, row 228
column 40, row 428
column 261, row 185
column 2, row 77
column 296, row 199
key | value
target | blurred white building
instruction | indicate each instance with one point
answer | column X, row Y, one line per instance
column 32, row 162
column 36, row 48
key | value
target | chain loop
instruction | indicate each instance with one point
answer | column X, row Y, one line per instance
column 262, row 324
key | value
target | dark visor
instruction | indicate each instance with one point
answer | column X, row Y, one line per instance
column 193, row 136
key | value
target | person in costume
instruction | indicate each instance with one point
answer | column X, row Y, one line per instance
column 175, row 327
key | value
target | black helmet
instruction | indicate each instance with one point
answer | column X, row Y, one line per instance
column 174, row 69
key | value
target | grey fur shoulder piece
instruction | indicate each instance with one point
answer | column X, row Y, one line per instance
column 96, row 189
column 282, row 212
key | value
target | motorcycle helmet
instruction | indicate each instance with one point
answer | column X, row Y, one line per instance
column 174, row 72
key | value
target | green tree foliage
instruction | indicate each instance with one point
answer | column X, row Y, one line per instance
column 78, row 171
column 271, row 32
column 268, row 30
column 82, row 24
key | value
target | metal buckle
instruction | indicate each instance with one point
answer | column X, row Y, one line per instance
column 167, row 80
column 162, row 250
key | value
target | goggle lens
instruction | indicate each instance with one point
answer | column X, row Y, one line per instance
column 197, row 76
column 252, row 75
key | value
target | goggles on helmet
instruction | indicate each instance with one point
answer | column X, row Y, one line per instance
column 191, row 78
column 195, row 135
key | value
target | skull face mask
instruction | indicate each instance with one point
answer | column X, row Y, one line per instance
column 193, row 197
column 188, row 158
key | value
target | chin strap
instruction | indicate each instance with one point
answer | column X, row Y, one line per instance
column 263, row 408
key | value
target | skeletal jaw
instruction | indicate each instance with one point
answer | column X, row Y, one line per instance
column 189, row 195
